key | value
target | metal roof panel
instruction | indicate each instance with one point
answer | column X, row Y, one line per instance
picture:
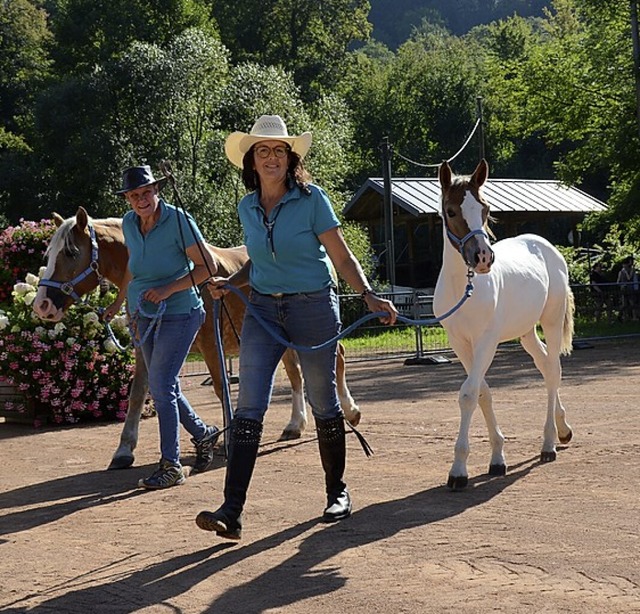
column 421, row 195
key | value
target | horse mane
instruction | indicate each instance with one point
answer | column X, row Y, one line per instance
column 63, row 238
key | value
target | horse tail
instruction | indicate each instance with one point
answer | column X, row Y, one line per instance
column 567, row 325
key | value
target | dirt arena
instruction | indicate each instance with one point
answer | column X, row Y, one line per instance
column 558, row 537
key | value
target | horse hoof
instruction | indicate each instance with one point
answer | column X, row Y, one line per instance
column 567, row 438
column 498, row 469
column 121, row 462
column 457, row 482
column 547, row 457
column 290, row 435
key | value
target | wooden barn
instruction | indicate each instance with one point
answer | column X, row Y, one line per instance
column 544, row 207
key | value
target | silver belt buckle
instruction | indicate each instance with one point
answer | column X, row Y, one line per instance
column 278, row 295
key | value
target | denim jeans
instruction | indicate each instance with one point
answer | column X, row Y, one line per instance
column 305, row 319
column 164, row 357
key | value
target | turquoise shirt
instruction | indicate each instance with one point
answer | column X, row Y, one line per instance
column 293, row 259
column 159, row 257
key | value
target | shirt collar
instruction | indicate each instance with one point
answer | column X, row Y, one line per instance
column 293, row 194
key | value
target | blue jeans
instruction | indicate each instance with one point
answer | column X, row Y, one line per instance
column 164, row 358
column 305, row 319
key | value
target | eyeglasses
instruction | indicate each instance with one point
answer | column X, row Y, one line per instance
column 279, row 151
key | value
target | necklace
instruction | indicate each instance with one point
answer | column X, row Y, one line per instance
column 269, row 225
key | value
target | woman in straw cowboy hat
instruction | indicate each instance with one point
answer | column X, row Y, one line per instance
column 294, row 242
column 164, row 262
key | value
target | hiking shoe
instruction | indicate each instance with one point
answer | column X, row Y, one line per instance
column 204, row 450
column 167, row 474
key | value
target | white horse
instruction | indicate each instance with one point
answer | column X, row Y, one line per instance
column 520, row 281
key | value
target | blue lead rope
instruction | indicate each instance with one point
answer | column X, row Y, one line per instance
column 380, row 314
column 156, row 320
column 227, row 409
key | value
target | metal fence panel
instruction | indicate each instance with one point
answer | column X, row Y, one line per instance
column 609, row 303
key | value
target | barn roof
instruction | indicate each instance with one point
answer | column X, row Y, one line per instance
column 421, row 195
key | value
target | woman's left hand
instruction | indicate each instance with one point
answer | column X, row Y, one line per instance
column 156, row 295
column 375, row 304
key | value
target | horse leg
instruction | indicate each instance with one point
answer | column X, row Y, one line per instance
column 498, row 464
column 547, row 361
column 476, row 365
column 298, row 422
column 349, row 408
column 123, row 456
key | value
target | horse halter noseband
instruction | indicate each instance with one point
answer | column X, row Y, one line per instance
column 68, row 287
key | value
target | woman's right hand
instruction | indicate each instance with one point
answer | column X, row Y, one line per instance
column 216, row 288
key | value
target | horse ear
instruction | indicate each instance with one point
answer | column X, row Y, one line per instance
column 481, row 174
column 444, row 175
column 82, row 219
column 57, row 219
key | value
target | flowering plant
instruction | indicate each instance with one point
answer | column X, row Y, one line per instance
column 73, row 367
column 20, row 248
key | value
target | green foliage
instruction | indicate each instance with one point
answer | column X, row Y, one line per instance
column 458, row 17
column 615, row 246
column 423, row 99
column 89, row 33
column 24, row 63
column 307, row 38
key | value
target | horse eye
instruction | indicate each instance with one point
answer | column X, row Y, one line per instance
column 71, row 253
column 451, row 213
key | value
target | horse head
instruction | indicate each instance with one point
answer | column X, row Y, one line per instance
column 72, row 266
column 465, row 214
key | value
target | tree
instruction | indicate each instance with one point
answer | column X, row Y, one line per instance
column 24, row 67
column 88, row 33
column 423, row 98
column 310, row 39
column 580, row 92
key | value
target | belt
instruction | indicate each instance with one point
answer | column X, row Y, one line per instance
column 278, row 294
column 283, row 294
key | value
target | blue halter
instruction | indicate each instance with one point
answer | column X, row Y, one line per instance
column 459, row 243
column 68, row 287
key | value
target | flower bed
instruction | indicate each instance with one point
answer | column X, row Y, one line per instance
column 72, row 370
column 22, row 249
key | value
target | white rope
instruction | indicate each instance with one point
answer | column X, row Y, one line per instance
column 449, row 159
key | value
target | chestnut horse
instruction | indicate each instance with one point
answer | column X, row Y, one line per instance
column 83, row 248
column 520, row 281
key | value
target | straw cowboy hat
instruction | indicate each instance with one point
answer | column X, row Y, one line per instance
column 266, row 128
column 137, row 177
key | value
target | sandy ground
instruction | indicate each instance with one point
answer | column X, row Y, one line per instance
column 558, row 537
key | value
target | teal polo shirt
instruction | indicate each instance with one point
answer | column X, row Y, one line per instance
column 159, row 257
column 293, row 259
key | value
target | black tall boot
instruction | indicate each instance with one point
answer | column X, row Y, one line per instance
column 226, row 521
column 331, row 441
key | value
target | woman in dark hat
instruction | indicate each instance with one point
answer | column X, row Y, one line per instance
column 165, row 313
column 294, row 242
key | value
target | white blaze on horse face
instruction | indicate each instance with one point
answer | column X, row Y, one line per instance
column 482, row 256
column 43, row 306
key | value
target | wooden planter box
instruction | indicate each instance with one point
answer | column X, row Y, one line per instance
column 15, row 407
